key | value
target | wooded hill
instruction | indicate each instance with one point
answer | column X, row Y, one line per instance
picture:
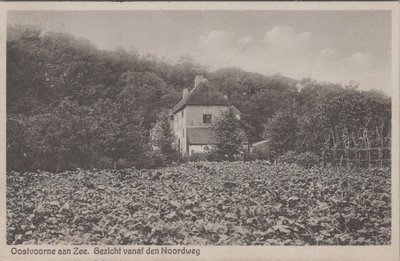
column 71, row 105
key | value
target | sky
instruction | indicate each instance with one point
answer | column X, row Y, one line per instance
column 329, row 46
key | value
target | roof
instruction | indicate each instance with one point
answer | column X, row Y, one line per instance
column 203, row 94
column 200, row 135
column 260, row 142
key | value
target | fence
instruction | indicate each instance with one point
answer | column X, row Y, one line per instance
column 359, row 157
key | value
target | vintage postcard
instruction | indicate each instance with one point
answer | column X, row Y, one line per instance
column 199, row 131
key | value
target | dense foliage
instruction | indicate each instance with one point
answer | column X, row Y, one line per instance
column 163, row 141
column 201, row 203
column 306, row 159
column 229, row 137
column 71, row 105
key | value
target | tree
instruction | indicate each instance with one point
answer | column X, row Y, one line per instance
column 120, row 135
column 163, row 139
column 229, row 136
column 52, row 136
column 73, row 105
column 256, row 96
column 17, row 149
column 145, row 91
column 281, row 129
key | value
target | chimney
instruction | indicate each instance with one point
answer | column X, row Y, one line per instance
column 185, row 93
column 197, row 80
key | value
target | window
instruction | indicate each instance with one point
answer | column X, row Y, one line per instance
column 207, row 118
column 182, row 113
column 183, row 133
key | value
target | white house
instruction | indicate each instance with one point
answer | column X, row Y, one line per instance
column 192, row 117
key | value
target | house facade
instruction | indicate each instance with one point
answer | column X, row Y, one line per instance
column 192, row 117
column 191, row 120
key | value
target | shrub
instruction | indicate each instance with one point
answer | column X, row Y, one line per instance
column 306, row 159
column 153, row 159
column 249, row 156
column 124, row 163
column 288, row 157
column 104, row 163
column 199, row 157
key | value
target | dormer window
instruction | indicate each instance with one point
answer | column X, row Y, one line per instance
column 207, row 118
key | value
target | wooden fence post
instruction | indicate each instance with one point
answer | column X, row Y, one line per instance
column 334, row 157
column 369, row 158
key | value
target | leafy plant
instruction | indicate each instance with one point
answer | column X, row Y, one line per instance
column 203, row 203
column 305, row 159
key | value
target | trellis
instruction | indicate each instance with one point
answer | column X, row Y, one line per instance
column 359, row 157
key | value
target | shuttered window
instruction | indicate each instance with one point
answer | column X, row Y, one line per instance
column 207, row 118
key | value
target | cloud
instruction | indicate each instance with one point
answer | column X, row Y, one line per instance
column 357, row 66
column 215, row 40
column 330, row 65
column 295, row 54
column 286, row 39
column 221, row 48
column 327, row 54
column 244, row 40
column 361, row 60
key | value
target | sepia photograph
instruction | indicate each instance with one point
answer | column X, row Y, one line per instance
column 199, row 128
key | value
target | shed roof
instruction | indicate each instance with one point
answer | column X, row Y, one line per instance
column 200, row 135
column 203, row 94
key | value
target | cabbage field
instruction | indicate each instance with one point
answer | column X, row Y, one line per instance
column 201, row 203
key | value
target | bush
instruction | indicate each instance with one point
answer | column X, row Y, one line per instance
column 289, row 157
column 199, row 157
column 306, row 159
column 124, row 164
column 251, row 156
column 153, row 159
column 103, row 162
